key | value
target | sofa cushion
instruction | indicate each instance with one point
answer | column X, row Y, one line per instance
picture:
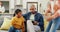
column 6, row 24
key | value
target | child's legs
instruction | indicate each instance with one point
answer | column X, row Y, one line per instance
column 49, row 26
column 55, row 25
column 18, row 30
column 12, row 29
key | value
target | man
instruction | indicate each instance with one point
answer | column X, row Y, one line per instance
column 36, row 17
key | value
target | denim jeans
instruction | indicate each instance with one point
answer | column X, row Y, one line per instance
column 12, row 29
column 53, row 25
column 49, row 26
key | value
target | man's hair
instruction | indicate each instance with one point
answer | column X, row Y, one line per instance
column 32, row 6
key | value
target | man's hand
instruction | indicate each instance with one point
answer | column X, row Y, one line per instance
column 35, row 23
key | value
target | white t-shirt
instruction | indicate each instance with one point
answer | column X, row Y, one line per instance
column 32, row 17
column 2, row 9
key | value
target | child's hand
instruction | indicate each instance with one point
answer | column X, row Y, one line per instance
column 19, row 28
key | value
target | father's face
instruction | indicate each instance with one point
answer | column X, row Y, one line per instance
column 32, row 8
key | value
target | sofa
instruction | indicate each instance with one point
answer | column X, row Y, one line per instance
column 6, row 20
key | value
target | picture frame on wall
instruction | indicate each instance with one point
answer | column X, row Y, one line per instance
column 32, row 3
column 6, row 6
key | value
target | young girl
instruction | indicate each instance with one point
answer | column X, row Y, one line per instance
column 17, row 22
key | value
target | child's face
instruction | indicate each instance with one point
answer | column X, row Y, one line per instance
column 19, row 14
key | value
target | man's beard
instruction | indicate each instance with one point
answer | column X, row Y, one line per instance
column 34, row 12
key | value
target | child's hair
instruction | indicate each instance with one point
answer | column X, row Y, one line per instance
column 16, row 12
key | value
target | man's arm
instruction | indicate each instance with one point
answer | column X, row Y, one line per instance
column 41, row 20
column 25, row 16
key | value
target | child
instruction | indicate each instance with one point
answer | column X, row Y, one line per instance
column 17, row 22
